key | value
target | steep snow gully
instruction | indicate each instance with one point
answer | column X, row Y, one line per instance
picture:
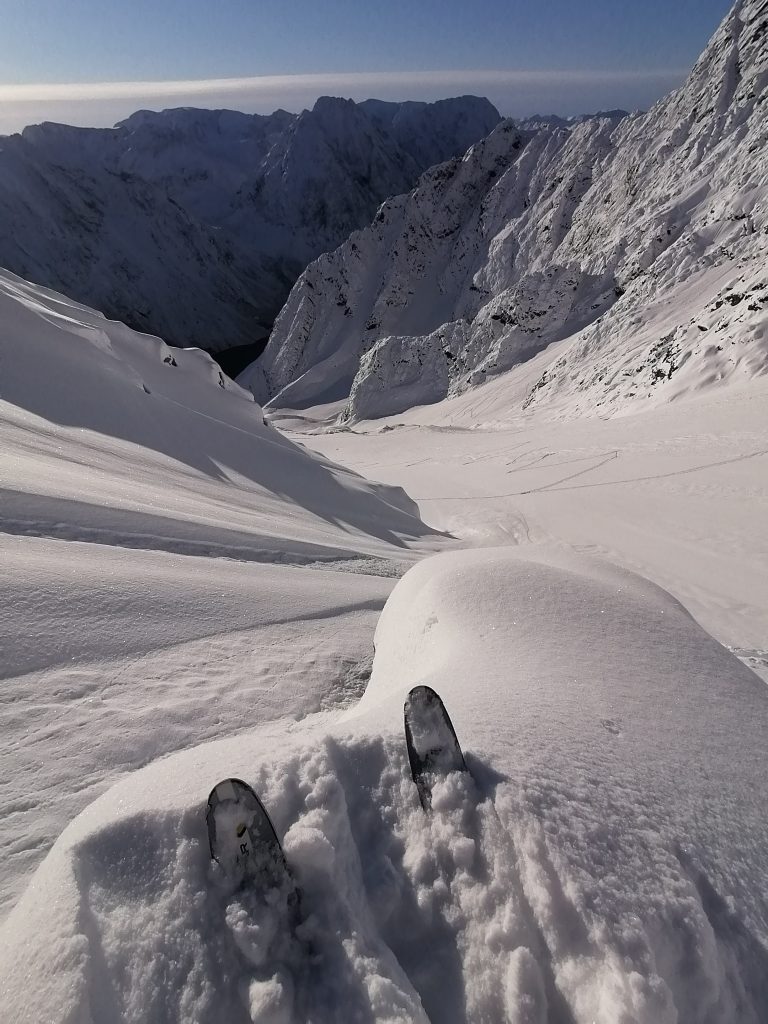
column 194, row 224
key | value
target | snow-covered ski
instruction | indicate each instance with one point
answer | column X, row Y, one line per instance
column 243, row 840
column 433, row 749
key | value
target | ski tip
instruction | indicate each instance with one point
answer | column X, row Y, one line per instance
column 246, row 805
column 230, row 789
column 433, row 747
column 422, row 694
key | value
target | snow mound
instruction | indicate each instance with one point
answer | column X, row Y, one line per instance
column 605, row 861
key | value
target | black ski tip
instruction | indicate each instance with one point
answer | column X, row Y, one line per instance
column 423, row 694
column 239, row 792
column 434, row 752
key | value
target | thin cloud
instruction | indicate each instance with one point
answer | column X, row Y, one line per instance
column 515, row 92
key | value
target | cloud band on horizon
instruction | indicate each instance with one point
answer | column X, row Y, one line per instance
column 516, row 93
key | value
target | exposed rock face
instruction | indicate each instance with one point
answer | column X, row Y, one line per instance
column 643, row 237
column 473, row 243
column 194, row 224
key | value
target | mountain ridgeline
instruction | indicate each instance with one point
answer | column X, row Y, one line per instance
column 194, row 224
column 638, row 243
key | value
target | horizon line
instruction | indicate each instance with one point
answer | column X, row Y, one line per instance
column 53, row 91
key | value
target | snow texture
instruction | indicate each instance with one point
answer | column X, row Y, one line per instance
column 606, row 858
column 641, row 239
column 605, row 861
column 140, row 492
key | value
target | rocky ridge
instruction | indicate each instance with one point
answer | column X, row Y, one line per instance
column 636, row 242
column 194, row 224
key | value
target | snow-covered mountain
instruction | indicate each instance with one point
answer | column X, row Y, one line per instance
column 642, row 239
column 194, row 224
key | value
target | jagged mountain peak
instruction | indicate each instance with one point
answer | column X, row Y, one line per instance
column 193, row 224
column 333, row 106
column 433, row 132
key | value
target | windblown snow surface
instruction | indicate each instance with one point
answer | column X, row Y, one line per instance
column 155, row 534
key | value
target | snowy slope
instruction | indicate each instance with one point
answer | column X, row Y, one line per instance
column 434, row 132
column 606, row 862
column 555, row 121
column 144, row 418
column 533, row 238
column 327, row 173
column 170, row 566
column 186, row 593
column 75, row 220
column 194, row 224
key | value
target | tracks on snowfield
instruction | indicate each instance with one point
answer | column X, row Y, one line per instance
column 755, row 659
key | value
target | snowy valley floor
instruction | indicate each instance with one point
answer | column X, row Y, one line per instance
column 608, row 862
column 678, row 493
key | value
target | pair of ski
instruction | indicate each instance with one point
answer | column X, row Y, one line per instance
column 242, row 838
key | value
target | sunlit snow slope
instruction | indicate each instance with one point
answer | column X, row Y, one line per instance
column 136, row 439
column 154, row 533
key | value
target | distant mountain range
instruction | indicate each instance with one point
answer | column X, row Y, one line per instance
column 194, row 224
column 641, row 238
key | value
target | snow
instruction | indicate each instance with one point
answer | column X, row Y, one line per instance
column 606, row 859
column 677, row 493
column 171, row 619
column 156, row 533
column 574, row 556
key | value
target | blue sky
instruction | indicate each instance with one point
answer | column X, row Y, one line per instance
column 564, row 56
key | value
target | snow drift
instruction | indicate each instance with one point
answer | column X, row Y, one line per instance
column 606, row 861
column 159, row 580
